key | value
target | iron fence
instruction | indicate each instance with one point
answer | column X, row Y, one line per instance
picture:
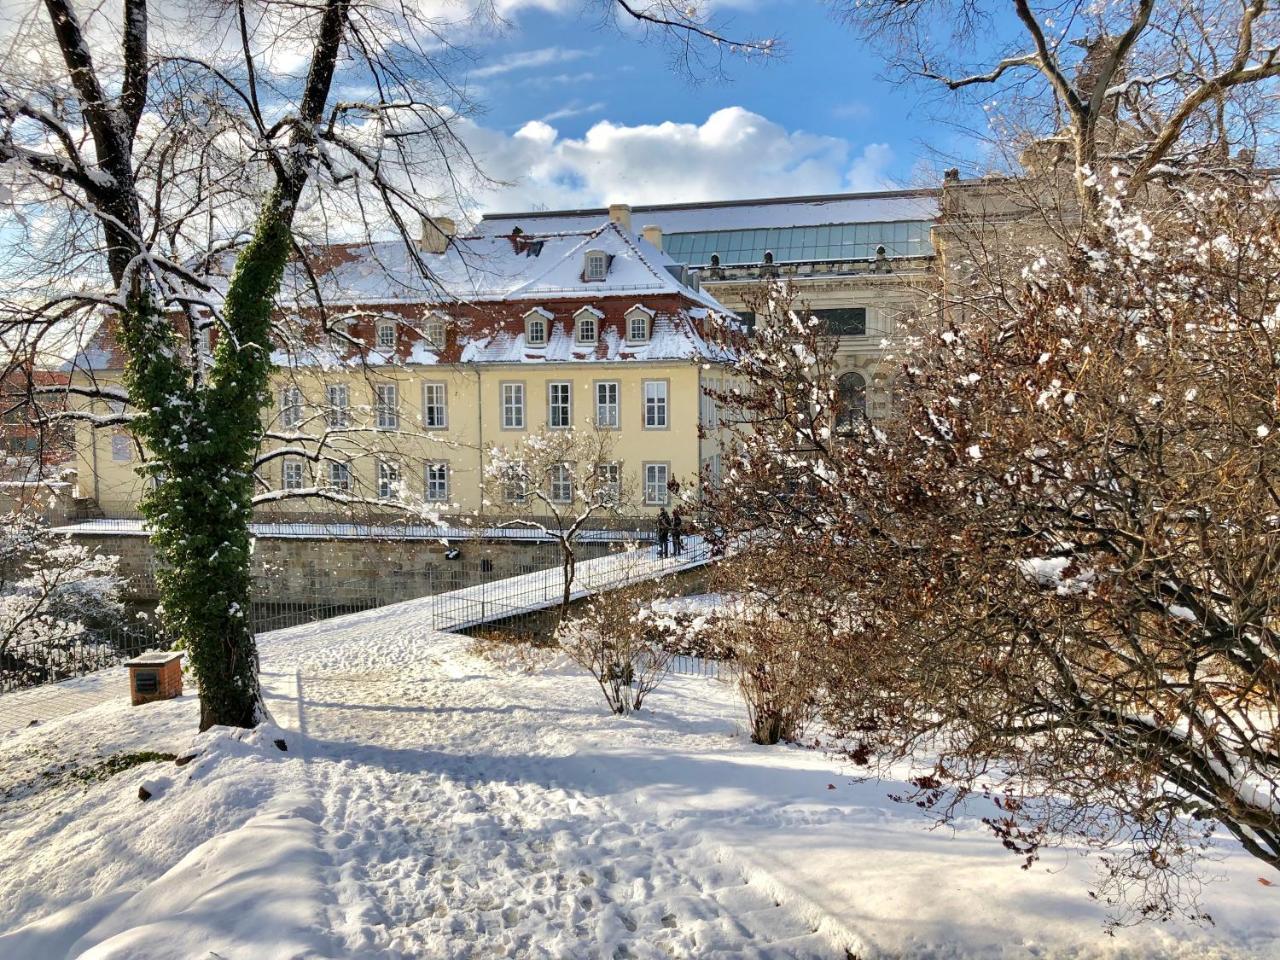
column 40, row 662
column 540, row 590
column 35, row 663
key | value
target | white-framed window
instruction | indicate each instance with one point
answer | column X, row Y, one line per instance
column 656, row 477
column 435, row 406
column 559, row 405
column 716, row 470
column 340, row 475
column 708, row 409
column 607, row 416
column 290, row 406
column 596, row 266
column 388, row 479
column 434, row 330
column 536, row 328
column 609, row 482
column 387, row 406
column 204, row 337
column 387, row 335
column 338, row 340
column 638, row 324
column 655, row 404
column 586, row 325
column 513, row 406
column 339, row 411
column 436, row 481
column 292, row 474
column 561, row 483
column 121, row 447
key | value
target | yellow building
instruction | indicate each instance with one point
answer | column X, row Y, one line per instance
column 394, row 397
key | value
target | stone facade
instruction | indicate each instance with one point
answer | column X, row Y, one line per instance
column 354, row 571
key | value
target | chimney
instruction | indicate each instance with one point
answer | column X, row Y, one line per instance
column 620, row 213
column 436, row 234
column 652, row 234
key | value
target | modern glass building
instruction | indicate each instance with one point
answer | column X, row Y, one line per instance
column 827, row 243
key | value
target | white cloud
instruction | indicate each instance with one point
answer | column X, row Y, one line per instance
column 734, row 153
column 574, row 109
column 529, row 60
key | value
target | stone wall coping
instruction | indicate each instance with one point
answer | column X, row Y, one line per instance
column 359, row 531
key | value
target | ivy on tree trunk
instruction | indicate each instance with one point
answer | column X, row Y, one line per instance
column 202, row 441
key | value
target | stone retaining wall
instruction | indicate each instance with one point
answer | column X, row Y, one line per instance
column 300, row 569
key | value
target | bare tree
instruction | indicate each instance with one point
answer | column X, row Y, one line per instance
column 1147, row 86
column 570, row 477
column 183, row 166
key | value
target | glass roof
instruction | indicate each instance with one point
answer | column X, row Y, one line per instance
column 840, row 241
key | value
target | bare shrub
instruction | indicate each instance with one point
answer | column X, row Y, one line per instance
column 527, row 652
column 610, row 639
column 773, row 673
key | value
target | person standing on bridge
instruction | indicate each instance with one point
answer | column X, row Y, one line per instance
column 677, row 532
column 664, row 532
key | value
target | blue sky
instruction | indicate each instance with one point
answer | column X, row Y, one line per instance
column 582, row 112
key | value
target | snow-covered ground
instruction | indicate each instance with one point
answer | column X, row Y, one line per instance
column 431, row 803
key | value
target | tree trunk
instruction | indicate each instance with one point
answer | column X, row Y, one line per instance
column 203, row 442
column 567, row 565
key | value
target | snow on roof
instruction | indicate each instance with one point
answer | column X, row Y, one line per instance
column 879, row 207
column 671, row 337
column 498, row 266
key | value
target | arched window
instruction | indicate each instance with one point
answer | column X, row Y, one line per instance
column 586, row 325
column 587, row 329
column 433, row 328
column 639, row 324
column 386, row 335
column 536, row 327
column 595, row 266
column 852, row 400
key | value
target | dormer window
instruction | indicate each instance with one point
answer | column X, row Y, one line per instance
column 338, row 340
column 639, row 324
column 386, row 335
column 434, row 330
column 596, row 266
column 536, row 326
column 586, row 325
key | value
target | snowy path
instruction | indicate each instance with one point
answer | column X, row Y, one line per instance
column 458, row 826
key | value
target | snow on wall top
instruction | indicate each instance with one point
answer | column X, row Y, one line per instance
column 879, row 207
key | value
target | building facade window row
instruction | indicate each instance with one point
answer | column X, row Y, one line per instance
column 339, row 477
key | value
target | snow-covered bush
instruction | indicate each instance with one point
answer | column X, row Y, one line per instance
column 53, row 593
column 611, row 639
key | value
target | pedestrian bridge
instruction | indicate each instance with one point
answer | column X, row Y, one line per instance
column 446, row 612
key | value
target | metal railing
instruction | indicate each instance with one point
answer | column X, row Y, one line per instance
column 36, row 663
column 545, row 589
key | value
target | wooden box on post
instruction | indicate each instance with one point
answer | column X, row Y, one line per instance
column 155, row 676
